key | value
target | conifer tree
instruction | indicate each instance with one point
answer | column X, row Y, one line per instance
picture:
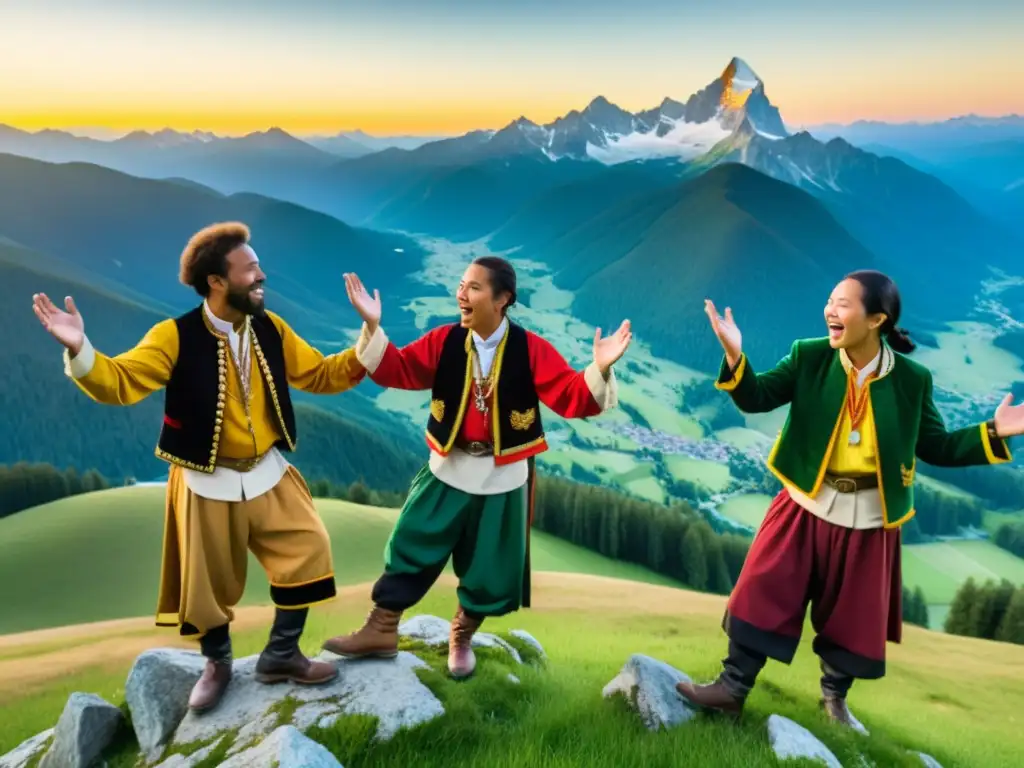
column 959, row 618
column 1011, row 629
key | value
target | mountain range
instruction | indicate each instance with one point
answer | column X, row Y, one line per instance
column 638, row 215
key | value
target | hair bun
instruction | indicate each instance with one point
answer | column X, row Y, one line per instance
column 899, row 340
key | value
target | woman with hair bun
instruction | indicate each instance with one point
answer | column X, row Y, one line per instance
column 861, row 414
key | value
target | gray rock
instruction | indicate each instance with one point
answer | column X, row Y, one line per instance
column 526, row 637
column 649, row 686
column 20, row 756
column 929, row 761
column 190, row 761
column 433, row 630
column 387, row 689
column 85, row 728
column 157, row 692
column 286, row 747
column 791, row 740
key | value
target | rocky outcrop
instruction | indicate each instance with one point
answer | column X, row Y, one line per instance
column 260, row 725
column 85, row 728
column 791, row 740
column 649, row 687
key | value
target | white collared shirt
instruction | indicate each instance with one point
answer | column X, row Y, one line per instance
column 480, row 475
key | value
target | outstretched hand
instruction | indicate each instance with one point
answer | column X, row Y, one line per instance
column 609, row 349
column 366, row 305
column 66, row 327
column 725, row 329
column 1009, row 418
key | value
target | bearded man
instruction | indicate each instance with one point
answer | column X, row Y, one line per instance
column 226, row 367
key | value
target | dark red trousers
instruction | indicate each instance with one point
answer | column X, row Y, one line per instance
column 850, row 578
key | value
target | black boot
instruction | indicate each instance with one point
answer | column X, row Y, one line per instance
column 208, row 690
column 729, row 692
column 835, row 684
column 282, row 660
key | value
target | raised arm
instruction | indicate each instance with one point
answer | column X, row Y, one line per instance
column 410, row 367
column 570, row 393
column 968, row 446
column 312, row 371
column 130, row 377
column 750, row 391
column 759, row 392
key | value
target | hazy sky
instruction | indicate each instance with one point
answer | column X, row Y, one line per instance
column 446, row 66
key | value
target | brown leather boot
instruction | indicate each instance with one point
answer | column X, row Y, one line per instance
column 461, row 659
column 282, row 660
column 378, row 637
column 209, row 689
column 714, row 697
column 215, row 644
column 837, row 711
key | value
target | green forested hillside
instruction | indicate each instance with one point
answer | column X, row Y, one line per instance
column 47, row 418
column 733, row 235
column 132, row 230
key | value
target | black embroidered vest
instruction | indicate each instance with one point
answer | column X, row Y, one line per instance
column 516, row 428
column 196, row 394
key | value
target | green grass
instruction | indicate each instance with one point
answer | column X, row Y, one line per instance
column 941, row 568
column 589, row 627
column 97, row 556
column 966, row 361
column 712, row 475
column 747, row 509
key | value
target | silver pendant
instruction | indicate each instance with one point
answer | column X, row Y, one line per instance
column 855, row 437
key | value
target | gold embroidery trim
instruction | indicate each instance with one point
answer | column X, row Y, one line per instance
column 218, row 421
column 437, row 409
column 908, row 474
column 265, row 370
column 522, row 420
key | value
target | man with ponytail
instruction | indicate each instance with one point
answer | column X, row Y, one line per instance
column 861, row 414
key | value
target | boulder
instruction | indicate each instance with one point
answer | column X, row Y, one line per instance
column 434, row 631
column 387, row 689
column 286, row 747
column 22, row 754
column 86, row 727
column 157, row 694
column 791, row 740
column 649, row 686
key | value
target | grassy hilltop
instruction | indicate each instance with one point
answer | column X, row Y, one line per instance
column 95, row 556
column 589, row 626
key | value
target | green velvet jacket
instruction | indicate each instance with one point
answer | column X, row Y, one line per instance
column 908, row 426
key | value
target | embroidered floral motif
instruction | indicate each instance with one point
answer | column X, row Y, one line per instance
column 522, row 420
column 437, row 409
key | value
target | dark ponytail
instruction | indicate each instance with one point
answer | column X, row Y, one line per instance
column 502, row 278
column 900, row 341
column 881, row 296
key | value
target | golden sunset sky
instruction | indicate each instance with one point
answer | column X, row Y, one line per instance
column 448, row 66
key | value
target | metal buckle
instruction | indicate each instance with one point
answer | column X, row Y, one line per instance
column 477, row 448
column 844, row 484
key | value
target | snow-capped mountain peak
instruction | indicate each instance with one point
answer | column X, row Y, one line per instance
column 605, row 132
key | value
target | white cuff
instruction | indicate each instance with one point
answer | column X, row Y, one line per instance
column 82, row 363
column 370, row 349
column 606, row 393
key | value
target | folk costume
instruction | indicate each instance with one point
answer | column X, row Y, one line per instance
column 846, row 457
column 228, row 418
column 474, row 499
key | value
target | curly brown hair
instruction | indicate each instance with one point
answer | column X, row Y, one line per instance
column 207, row 254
